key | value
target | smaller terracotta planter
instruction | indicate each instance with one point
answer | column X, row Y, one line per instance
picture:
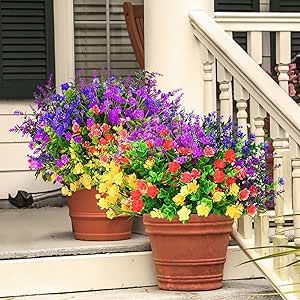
column 189, row 257
column 90, row 223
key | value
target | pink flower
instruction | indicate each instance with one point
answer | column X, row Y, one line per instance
column 209, row 151
column 244, row 194
column 292, row 90
column 96, row 109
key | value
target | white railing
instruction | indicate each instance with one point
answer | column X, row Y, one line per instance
column 243, row 83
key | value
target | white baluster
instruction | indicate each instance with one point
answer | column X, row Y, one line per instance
column 283, row 58
column 295, row 153
column 224, row 79
column 280, row 239
column 255, row 50
column 241, row 96
column 261, row 221
column 208, row 62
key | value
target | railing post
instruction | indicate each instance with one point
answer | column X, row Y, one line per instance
column 295, row 150
column 209, row 89
column 224, row 79
column 280, row 239
column 241, row 96
column 261, row 221
column 283, row 58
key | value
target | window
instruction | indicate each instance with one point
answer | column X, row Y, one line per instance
column 26, row 46
column 101, row 38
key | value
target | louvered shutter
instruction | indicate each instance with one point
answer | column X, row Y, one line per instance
column 288, row 6
column 26, row 46
column 101, row 38
column 238, row 5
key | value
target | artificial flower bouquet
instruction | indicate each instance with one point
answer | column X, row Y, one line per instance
column 72, row 133
column 190, row 166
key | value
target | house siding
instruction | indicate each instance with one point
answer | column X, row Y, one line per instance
column 14, row 172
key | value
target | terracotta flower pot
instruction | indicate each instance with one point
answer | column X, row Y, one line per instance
column 90, row 223
column 189, row 257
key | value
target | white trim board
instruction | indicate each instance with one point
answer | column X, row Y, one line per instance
column 95, row 272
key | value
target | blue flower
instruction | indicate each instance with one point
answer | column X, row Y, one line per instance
column 65, row 86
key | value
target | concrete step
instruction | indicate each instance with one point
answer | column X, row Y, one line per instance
column 232, row 290
column 38, row 255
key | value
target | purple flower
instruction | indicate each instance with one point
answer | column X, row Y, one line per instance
column 281, row 181
column 78, row 139
column 114, row 116
column 68, row 136
column 65, row 86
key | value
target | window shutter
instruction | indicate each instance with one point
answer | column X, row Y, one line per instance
column 289, row 6
column 101, row 38
column 234, row 6
column 26, row 46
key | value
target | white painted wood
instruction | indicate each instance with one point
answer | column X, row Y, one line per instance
column 64, row 41
column 13, row 156
column 255, row 46
column 8, row 107
column 11, row 182
column 209, row 89
column 95, row 272
column 6, row 123
column 262, row 21
column 280, row 239
column 283, row 58
column 224, row 79
column 259, row 84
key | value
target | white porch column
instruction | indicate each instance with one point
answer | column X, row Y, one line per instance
column 171, row 48
column 64, row 41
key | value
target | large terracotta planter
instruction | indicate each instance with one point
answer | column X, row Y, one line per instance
column 91, row 224
column 189, row 257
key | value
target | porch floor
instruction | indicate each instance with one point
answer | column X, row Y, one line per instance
column 44, row 232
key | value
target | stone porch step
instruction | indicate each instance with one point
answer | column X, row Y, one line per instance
column 233, row 290
column 38, row 255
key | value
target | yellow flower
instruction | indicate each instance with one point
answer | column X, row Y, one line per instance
column 234, row 211
column 217, row 196
column 111, row 214
column 86, row 181
column 234, row 189
column 203, row 210
column 114, row 168
column 184, row 214
column 156, row 213
column 114, row 191
column 184, row 190
column 132, row 182
column 78, row 169
column 149, row 163
column 118, row 178
column 192, row 187
column 65, row 191
column 53, row 177
column 73, row 186
column 103, row 203
column 98, row 196
column 102, row 188
column 179, row 199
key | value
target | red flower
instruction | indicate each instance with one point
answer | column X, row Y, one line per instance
column 152, row 191
column 105, row 127
column 230, row 155
column 164, row 132
column 150, row 143
column 242, row 173
column 76, row 128
column 136, row 195
column 184, row 151
column 137, row 205
column 96, row 109
column 230, row 181
column 123, row 160
column 219, row 176
column 109, row 137
column 94, row 150
column 209, row 151
column 142, row 186
column 252, row 210
column 219, row 164
column 102, row 141
column 253, row 190
column 244, row 194
column 86, row 144
column 186, row 177
column 173, row 167
column 168, row 144
column 196, row 173
column 103, row 158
